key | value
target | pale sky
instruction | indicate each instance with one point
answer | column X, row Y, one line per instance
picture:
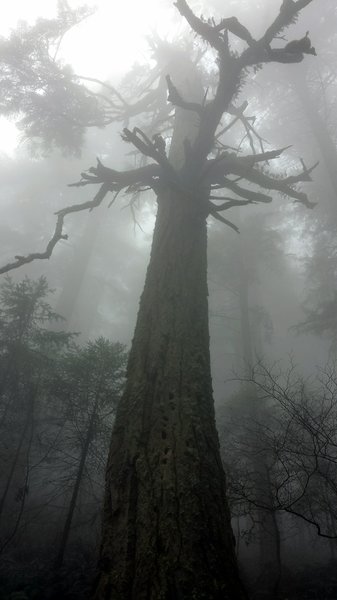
column 107, row 43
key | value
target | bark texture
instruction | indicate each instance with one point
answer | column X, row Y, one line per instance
column 167, row 532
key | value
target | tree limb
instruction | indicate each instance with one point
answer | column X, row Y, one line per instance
column 261, row 52
column 111, row 181
column 228, row 160
column 244, row 168
column 288, row 14
column 58, row 232
column 101, row 174
column 210, row 33
column 226, row 205
column 218, row 217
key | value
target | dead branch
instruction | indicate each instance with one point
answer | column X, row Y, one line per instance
column 225, row 161
column 271, row 183
column 304, row 175
column 100, row 174
column 110, row 180
column 246, row 121
column 244, row 193
column 218, row 217
column 217, row 169
column 233, row 25
column 58, row 232
column 142, row 142
column 211, row 33
column 226, row 205
column 288, row 14
column 108, row 86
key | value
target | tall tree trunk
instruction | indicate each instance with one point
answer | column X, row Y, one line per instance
column 76, row 489
column 23, row 491
column 166, row 530
column 15, row 461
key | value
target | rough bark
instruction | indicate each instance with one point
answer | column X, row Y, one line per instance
column 167, row 532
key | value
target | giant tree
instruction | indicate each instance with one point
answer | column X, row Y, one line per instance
column 166, row 525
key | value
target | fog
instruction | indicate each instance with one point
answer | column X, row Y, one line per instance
column 85, row 95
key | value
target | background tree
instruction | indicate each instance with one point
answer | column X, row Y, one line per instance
column 28, row 352
column 91, row 381
column 57, row 407
column 299, row 435
column 242, row 271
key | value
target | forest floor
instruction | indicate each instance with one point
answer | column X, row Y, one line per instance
column 74, row 581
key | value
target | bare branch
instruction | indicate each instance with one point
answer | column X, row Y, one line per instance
column 265, row 54
column 119, row 179
column 210, row 33
column 224, row 163
column 293, row 52
column 58, row 233
column 310, row 522
column 244, row 193
column 226, row 205
column 108, row 86
column 279, row 185
column 246, row 121
column 233, row 25
column 304, row 175
column 111, row 181
column 290, row 511
column 230, row 164
column 141, row 141
column 288, row 14
column 218, row 217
